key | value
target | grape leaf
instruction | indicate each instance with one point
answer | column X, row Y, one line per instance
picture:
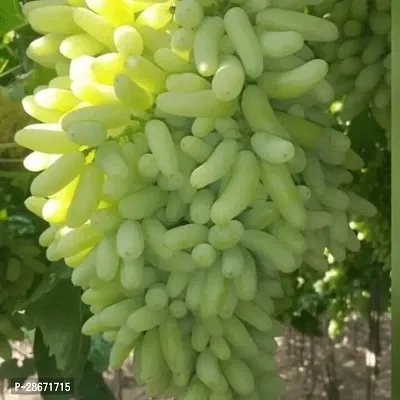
column 92, row 386
column 46, row 364
column 10, row 16
column 60, row 314
column 10, row 369
column 99, row 353
column 56, row 272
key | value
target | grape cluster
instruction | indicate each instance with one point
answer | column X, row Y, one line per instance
column 180, row 194
column 360, row 60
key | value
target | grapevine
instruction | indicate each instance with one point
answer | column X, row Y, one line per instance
column 186, row 168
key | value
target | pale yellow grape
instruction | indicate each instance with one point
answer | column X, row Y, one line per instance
column 62, row 67
column 185, row 236
column 45, row 50
column 260, row 217
column 200, row 206
column 55, row 211
column 155, row 16
column 282, row 85
column 239, row 376
column 204, row 254
column 172, row 183
column 128, row 41
column 110, row 159
column 206, row 45
column 217, row 165
column 56, row 99
column 131, row 94
column 53, row 19
column 28, row 7
column 280, row 44
column 35, row 205
column 259, row 113
column 186, row 82
column 202, row 126
column 60, row 82
column 106, row 219
column 132, row 273
column 81, row 69
column 94, row 93
column 59, row 174
column 196, row 148
column 229, row 79
column 117, row 12
column 157, row 297
column 107, row 258
column 78, row 240
column 154, row 232
column 40, row 113
column 195, row 104
column 47, row 236
column 86, row 197
column 37, row 161
column 240, row 191
column 171, row 62
column 109, row 115
column 254, row 6
column 222, row 237
column 209, row 372
column 310, row 27
column 130, row 240
column 161, row 145
column 95, row 25
column 153, row 39
column 76, row 3
column 106, row 67
column 147, row 166
column 214, row 286
column 182, row 41
column 280, row 186
column 142, row 204
column 145, row 74
column 78, row 45
column 240, row 31
column 188, row 13
column 288, row 235
column 272, row 148
column 89, row 134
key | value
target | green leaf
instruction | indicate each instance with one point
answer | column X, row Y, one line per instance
column 60, row 314
column 92, row 386
column 307, row 324
column 10, row 369
column 11, row 16
column 53, row 276
column 46, row 364
column 99, row 353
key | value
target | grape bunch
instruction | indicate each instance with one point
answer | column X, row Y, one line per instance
column 186, row 168
column 360, row 60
